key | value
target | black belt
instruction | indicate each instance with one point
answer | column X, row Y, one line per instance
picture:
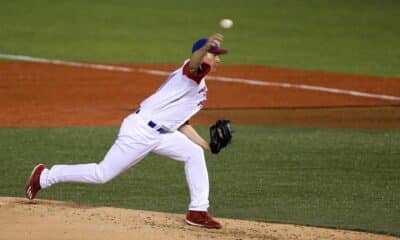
column 153, row 124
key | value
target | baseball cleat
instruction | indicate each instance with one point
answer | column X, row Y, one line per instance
column 201, row 219
column 32, row 186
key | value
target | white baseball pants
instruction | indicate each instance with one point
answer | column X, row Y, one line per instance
column 135, row 140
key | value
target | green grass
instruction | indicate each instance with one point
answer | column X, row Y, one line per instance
column 351, row 36
column 324, row 177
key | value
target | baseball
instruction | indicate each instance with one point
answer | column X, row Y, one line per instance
column 226, row 23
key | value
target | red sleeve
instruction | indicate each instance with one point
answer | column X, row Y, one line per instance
column 197, row 76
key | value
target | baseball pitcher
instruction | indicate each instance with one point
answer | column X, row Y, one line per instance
column 161, row 125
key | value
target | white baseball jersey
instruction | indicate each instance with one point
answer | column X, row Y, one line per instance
column 180, row 97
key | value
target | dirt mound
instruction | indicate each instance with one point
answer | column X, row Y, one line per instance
column 42, row 219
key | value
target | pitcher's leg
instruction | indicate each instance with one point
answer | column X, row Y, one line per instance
column 177, row 146
column 197, row 179
column 122, row 155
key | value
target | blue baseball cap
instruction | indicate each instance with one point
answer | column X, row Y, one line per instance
column 201, row 42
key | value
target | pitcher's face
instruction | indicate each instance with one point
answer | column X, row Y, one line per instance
column 213, row 60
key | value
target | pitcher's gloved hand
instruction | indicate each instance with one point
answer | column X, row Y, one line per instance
column 220, row 135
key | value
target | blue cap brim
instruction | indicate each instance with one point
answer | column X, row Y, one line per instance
column 201, row 42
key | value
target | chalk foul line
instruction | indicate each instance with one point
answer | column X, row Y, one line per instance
column 213, row 78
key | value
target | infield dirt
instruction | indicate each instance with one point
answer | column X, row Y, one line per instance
column 48, row 95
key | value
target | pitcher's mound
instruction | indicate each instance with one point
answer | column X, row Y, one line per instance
column 42, row 219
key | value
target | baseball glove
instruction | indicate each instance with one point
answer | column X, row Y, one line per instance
column 220, row 135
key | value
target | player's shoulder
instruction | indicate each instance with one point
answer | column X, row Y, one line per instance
column 196, row 74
